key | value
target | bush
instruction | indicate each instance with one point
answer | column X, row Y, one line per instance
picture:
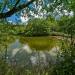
column 39, row 27
column 65, row 61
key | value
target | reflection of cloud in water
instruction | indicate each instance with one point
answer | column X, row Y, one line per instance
column 39, row 61
column 33, row 60
column 54, row 51
column 27, row 48
column 25, row 55
column 38, row 57
column 14, row 51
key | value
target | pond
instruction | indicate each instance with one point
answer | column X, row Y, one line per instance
column 27, row 51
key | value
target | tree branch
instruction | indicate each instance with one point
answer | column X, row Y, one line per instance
column 17, row 3
column 15, row 9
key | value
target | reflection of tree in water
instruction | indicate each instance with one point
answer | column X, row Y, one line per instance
column 40, row 43
column 24, row 57
column 5, row 41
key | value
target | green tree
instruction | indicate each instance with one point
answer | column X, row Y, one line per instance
column 40, row 27
column 17, row 6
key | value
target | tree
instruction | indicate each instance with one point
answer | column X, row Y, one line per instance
column 41, row 27
column 17, row 6
column 15, row 9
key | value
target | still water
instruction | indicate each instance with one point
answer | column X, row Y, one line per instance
column 27, row 51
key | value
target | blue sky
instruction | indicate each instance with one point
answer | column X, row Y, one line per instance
column 13, row 18
column 16, row 18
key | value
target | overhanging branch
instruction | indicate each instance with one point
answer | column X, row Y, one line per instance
column 15, row 9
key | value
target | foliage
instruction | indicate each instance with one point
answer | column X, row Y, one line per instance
column 41, row 28
column 66, row 58
column 65, row 61
column 18, row 5
column 67, row 25
column 3, row 67
column 11, row 29
column 65, row 64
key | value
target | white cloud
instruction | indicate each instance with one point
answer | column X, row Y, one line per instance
column 27, row 48
column 71, row 13
column 24, row 19
column 14, row 51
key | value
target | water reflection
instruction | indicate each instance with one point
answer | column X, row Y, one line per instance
column 30, row 51
column 40, row 43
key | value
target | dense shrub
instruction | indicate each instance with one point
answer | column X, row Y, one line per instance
column 39, row 27
column 11, row 29
column 67, row 25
